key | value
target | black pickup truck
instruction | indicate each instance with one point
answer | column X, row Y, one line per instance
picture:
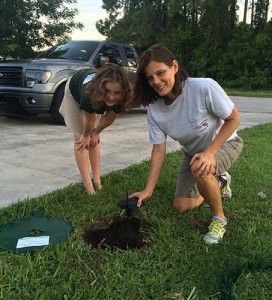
column 36, row 86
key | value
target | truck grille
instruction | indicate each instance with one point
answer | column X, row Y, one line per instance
column 11, row 76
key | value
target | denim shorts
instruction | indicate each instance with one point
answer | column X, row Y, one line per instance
column 225, row 157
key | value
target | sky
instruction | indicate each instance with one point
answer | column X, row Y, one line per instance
column 90, row 11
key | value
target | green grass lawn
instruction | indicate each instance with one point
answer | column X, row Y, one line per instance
column 251, row 93
column 177, row 265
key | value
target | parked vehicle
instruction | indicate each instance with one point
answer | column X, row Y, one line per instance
column 36, row 86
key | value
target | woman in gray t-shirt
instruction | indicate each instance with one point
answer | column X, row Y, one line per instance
column 197, row 113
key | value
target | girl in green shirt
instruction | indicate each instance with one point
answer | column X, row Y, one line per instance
column 92, row 101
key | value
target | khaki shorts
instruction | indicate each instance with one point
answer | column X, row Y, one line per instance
column 225, row 157
column 72, row 114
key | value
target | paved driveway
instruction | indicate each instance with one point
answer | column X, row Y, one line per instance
column 36, row 156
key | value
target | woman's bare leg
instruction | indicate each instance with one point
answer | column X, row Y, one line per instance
column 209, row 189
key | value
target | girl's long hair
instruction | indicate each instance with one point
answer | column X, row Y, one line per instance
column 95, row 90
column 144, row 94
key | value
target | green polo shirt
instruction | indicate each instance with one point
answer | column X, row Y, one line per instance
column 77, row 87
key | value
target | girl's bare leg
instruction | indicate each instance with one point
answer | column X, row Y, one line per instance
column 94, row 156
column 82, row 160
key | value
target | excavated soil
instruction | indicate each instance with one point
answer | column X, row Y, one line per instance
column 120, row 232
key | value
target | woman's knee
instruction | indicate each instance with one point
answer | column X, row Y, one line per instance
column 203, row 176
column 182, row 204
column 205, row 180
column 185, row 204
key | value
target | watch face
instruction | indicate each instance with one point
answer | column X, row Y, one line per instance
column 88, row 78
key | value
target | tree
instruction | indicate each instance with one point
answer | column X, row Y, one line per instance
column 260, row 15
column 29, row 25
column 252, row 11
column 138, row 22
column 245, row 11
column 204, row 35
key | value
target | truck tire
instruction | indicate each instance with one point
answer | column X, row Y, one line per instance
column 54, row 110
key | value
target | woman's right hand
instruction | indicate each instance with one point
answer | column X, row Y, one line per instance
column 83, row 143
column 142, row 195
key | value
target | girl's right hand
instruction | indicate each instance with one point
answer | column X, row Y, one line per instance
column 83, row 143
column 142, row 195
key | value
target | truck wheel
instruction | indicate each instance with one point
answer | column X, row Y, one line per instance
column 54, row 110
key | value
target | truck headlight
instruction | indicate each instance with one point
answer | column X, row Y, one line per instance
column 36, row 76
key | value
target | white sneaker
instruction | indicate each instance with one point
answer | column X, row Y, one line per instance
column 225, row 180
column 216, row 232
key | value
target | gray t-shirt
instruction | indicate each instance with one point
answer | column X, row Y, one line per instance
column 194, row 118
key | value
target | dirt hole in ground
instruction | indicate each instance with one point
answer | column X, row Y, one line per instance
column 122, row 232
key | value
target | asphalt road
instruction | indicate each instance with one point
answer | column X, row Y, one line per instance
column 36, row 156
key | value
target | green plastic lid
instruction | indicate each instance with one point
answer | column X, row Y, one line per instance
column 34, row 233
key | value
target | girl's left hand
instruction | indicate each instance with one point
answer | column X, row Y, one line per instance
column 203, row 163
column 95, row 139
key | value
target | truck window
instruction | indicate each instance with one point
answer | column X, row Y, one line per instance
column 130, row 57
column 112, row 52
column 74, row 50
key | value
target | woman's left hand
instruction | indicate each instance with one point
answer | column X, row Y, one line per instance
column 203, row 163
